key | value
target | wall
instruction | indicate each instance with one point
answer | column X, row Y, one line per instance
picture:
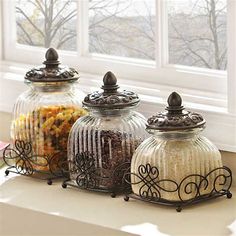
column 229, row 158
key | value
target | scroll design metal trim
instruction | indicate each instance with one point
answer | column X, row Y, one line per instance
column 20, row 160
column 84, row 168
column 52, row 74
column 87, row 175
column 151, row 187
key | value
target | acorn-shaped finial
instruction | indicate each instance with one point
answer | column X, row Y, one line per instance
column 174, row 103
column 109, row 83
column 109, row 79
column 51, row 57
column 174, row 100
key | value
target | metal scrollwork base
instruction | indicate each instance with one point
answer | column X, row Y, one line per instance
column 84, row 174
column 21, row 160
column 191, row 190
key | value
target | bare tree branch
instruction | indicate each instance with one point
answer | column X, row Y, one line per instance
column 29, row 20
column 49, row 26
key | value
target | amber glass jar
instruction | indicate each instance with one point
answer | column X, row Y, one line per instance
column 103, row 141
column 177, row 162
column 44, row 115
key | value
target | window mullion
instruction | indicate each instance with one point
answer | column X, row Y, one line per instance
column 231, row 67
column 9, row 41
column 158, row 43
column 1, row 35
column 162, row 33
column 82, row 27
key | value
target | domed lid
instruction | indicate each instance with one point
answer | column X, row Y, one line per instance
column 110, row 97
column 51, row 72
column 176, row 117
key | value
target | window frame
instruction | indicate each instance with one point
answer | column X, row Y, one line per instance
column 156, row 72
column 231, row 71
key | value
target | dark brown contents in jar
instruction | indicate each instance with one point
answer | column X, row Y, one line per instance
column 101, row 156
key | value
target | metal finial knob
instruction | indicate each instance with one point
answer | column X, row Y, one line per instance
column 174, row 103
column 109, row 81
column 51, row 57
column 174, row 100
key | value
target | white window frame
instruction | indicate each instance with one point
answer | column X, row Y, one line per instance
column 157, row 72
column 212, row 93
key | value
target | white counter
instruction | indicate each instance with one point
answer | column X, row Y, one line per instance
column 31, row 207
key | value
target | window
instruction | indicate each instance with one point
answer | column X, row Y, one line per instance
column 170, row 42
column 198, row 33
column 123, row 28
column 46, row 23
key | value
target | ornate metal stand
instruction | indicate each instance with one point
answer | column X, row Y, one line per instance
column 20, row 160
column 191, row 190
column 85, row 175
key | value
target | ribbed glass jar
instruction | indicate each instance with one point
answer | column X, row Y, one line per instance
column 177, row 156
column 101, row 143
column 110, row 139
column 176, row 163
column 43, row 117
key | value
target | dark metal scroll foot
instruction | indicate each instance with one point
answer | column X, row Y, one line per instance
column 36, row 166
column 113, row 195
column 126, row 198
column 147, row 176
column 229, row 194
column 179, row 209
column 64, row 185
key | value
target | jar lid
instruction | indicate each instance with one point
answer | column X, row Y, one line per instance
column 110, row 97
column 176, row 117
column 51, row 72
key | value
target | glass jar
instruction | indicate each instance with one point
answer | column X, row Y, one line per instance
column 44, row 115
column 176, row 163
column 102, row 143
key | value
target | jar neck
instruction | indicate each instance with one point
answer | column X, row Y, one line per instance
column 176, row 135
column 110, row 112
column 48, row 87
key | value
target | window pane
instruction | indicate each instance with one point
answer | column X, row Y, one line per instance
column 122, row 28
column 197, row 33
column 47, row 23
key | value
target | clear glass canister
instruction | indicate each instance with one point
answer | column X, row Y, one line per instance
column 44, row 115
column 178, row 161
column 103, row 142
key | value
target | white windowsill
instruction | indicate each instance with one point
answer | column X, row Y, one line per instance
column 221, row 125
column 31, row 207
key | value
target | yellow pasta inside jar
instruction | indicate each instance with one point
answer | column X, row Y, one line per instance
column 47, row 129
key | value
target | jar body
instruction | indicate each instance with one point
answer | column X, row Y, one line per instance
column 101, row 143
column 43, row 116
column 182, row 164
